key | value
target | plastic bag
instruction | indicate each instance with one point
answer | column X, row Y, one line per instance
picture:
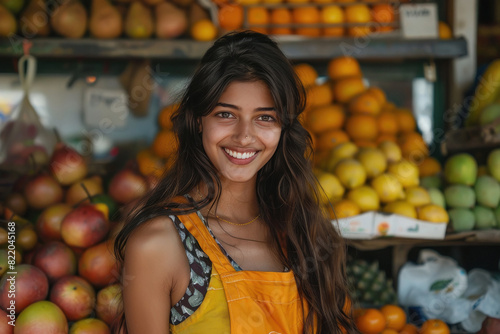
column 439, row 288
column 24, row 142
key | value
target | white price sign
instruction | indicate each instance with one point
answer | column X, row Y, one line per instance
column 419, row 20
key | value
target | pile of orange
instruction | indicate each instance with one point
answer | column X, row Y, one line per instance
column 319, row 18
column 155, row 159
column 391, row 319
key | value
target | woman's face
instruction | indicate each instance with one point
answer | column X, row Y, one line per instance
column 241, row 134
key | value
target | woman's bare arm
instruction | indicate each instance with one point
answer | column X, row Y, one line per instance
column 154, row 259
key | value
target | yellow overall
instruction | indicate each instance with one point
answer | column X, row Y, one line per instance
column 241, row 302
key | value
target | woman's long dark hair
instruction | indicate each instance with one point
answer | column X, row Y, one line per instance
column 286, row 187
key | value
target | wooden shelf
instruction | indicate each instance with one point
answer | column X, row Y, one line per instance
column 295, row 47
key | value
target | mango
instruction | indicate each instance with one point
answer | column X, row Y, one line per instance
column 487, row 91
column 462, row 219
column 460, row 196
column 433, row 181
column 487, row 191
column 437, row 197
column 497, row 216
column 485, row 217
column 494, row 163
column 461, row 168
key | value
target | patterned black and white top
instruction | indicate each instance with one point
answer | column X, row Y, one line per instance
column 201, row 268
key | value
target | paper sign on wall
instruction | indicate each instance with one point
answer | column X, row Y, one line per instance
column 419, row 20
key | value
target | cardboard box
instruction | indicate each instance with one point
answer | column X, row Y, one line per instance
column 372, row 224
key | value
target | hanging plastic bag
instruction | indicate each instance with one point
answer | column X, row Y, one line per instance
column 25, row 144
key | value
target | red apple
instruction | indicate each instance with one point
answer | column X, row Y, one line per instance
column 89, row 326
column 76, row 192
column 84, row 226
column 42, row 190
column 29, row 283
column 109, row 303
column 42, row 317
column 56, row 260
column 48, row 224
column 127, row 185
column 17, row 203
column 67, row 165
column 75, row 296
column 5, row 327
column 98, row 265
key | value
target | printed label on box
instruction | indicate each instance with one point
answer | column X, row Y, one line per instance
column 419, row 20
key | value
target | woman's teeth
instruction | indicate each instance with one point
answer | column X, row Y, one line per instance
column 239, row 155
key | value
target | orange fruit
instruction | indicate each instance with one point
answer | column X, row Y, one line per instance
column 343, row 67
column 164, row 116
column 434, row 326
column 247, row 2
column 383, row 13
column 409, row 329
column 361, row 127
column 395, row 317
column 321, row 119
column 382, row 137
column 332, row 14
column 306, row 15
column 297, row 1
column 319, row 95
column 281, row 15
column 331, row 138
column 344, row 208
column 346, row 88
column 406, row 120
column 306, row 73
column 359, row 13
column 149, row 163
column 370, row 321
column 389, row 331
column 444, row 30
column 258, row 16
column 379, row 94
column 429, row 166
column 413, row 147
column 230, row 16
column 365, row 143
column 204, row 30
column 164, row 144
column 364, row 103
column 387, row 123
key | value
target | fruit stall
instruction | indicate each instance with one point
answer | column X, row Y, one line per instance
column 406, row 142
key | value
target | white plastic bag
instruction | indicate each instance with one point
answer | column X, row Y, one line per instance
column 440, row 289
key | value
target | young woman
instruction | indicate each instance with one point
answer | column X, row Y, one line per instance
column 232, row 239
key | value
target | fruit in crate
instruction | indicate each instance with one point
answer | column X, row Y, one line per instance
column 80, row 191
column 127, row 185
column 75, row 296
column 487, row 191
column 369, row 283
column 494, row 163
column 89, row 325
column 98, row 265
column 86, row 225
column 108, row 303
column 48, row 224
column 42, row 190
column 67, row 165
column 461, row 168
column 56, row 260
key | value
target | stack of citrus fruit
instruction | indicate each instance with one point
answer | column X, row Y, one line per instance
column 154, row 160
column 307, row 18
column 369, row 146
column 391, row 319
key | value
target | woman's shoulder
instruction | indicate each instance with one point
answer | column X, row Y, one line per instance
column 153, row 238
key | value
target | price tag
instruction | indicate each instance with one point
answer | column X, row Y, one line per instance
column 105, row 108
column 419, row 20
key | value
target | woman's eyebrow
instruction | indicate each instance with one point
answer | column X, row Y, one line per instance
column 232, row 106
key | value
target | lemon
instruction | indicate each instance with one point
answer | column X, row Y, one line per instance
column 339, row 152
column 345, row 208
column 350, row 172
column 417, row 196
column 365, row 198
column 406, row 172
column 433, row 213
column 402, row 208
column 332, row 189
column 387, row 187
column 204, row 30
column 373, row 160
column 391, row 151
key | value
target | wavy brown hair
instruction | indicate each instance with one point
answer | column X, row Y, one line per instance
column 287, row 190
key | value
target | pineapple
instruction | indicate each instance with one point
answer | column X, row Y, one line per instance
column 369, row 284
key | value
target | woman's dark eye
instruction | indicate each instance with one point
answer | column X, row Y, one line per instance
column 267, row 118
column 224, row 114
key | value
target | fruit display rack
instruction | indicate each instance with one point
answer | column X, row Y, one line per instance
column 294, row 47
